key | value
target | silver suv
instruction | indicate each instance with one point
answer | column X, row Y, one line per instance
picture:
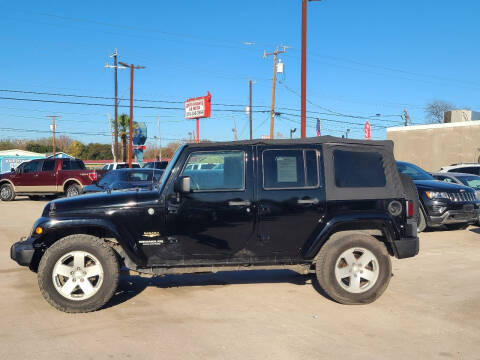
column 465, row 168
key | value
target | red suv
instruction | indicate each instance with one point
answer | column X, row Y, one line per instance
column 46, row 177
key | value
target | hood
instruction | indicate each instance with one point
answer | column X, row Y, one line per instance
column 436, row 185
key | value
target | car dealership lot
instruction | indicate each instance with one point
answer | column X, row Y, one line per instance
column 430, row 310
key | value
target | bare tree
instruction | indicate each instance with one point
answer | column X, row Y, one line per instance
column 435, row 110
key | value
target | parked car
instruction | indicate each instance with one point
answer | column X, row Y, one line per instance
column 156, row 165
column 126, row 179
column 335, row 207
column 452, row 205
column 47, row 177
column 469, row 180
column 467, row 168
column 119, row 165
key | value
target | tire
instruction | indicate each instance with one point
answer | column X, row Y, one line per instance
column 456, row 226
column 73, row 190
column 422, row 223
column 75, row 292
column 6, row 192
column 331, row 265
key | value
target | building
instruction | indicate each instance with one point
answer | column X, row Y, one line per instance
column 435, row 145
column 12, row 158
column 460, row 116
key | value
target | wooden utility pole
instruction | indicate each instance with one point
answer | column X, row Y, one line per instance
column 406, row 116
column 130, row 141
column 159, row 138
column 250, row 107
column 53, row 128
column 274, row 81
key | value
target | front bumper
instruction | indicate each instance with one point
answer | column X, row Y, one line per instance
column 22, row 252
column 455, row 217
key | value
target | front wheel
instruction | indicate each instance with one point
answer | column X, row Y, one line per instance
column 78, row 273
column 6, row 192
column 354, row 269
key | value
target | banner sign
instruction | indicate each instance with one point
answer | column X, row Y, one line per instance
column 139, row 139
column 200, row 107
column 367, row 130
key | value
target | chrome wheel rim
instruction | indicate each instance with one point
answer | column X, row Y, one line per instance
column 72, row 191
column 5, row 192
column 77, row 275
column 357, row 270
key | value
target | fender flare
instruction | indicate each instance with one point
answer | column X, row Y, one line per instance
column 351, row 222
column 52, row 226
column 2, row 181
column 71, row 179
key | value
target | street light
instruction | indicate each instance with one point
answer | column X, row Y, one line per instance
column 346, row 133
column 292, row 131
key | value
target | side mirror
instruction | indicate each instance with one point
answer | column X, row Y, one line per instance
column 182, row 185
column 12, row 169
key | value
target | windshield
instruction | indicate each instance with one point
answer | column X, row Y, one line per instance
column 108, row 178
column 413, row 171
column 169, row 168
column 472, row 181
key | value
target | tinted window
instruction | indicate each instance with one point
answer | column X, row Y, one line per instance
column 31, row 166
column 65, row 164
column 413, row 171
column 472, row 181
column 108, row 178
column 48, row 165
column 140, row 176
column 231, row 177
column 358, row 169
column 77, row 165
column 467, row 170
column 283, row 169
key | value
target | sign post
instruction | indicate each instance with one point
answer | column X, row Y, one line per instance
column 367, row 130
column 197, row 108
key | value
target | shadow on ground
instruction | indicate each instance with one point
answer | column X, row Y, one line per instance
column 132, row 285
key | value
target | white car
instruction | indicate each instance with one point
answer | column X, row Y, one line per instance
column 119, row 165
column 465, row 168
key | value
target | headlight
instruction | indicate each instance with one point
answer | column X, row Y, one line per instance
column 436, row 195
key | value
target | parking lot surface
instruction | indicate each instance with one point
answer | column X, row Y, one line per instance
column 430, row 310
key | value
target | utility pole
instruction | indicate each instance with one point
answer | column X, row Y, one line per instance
column 130, row 141
column 406, row 116
column 53, row 128
column 234, row 130
column 115, row 67
column 159, row 138
column 272, row 111
column 250, row 106
column 303, row 109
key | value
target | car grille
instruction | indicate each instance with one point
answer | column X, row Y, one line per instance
column 462, row 196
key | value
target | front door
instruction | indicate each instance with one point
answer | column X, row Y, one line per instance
column 27, row 179
column 216, row 219
column 291, row 199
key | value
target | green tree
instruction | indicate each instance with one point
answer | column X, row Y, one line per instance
column 123, row 130
column 76, row 149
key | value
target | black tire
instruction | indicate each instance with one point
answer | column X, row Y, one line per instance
column 412, row 194
column 6, row 192
column 460, row 226
column 421, row 222
column 327, row 260
column 73, row 190
column 88, row 244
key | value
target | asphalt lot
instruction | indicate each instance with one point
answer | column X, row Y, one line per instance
column 430, row 310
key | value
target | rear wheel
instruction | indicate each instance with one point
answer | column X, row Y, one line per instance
column 73, row 190
column 354, row 269
column 78, row 273
column 6, row 192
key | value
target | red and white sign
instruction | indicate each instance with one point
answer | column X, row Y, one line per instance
column 200, row 107
column 368, row 130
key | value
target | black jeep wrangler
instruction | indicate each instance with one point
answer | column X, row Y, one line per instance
column 335, row 207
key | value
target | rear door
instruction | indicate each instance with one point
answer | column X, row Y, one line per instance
column 47, row 179
column 290, row 199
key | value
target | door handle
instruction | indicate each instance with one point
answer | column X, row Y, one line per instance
column 239, row 203
column 313, row 201
column 35, row 175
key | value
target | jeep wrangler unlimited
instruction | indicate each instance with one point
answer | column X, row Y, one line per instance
column 335, row 207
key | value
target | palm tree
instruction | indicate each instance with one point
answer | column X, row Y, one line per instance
column 123, row 130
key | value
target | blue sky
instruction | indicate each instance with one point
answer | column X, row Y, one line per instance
column 364, row 58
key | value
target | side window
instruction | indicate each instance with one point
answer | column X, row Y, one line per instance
column 230, row 177
column 358, row 169
column 66, row 164
column 467, row 170
column 48, row 165
column 30, row 167
column 77, row 165
column 284, row 169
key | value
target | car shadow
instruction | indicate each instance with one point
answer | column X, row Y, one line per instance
column 132, row 285
column 476, row 230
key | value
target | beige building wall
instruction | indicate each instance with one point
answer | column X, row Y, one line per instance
column 436, row 145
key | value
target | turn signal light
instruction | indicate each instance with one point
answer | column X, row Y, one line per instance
column 39, row 230
column 409, row 208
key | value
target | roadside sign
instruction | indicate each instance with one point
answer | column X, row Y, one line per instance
column 199, row 107
column 367, row 130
